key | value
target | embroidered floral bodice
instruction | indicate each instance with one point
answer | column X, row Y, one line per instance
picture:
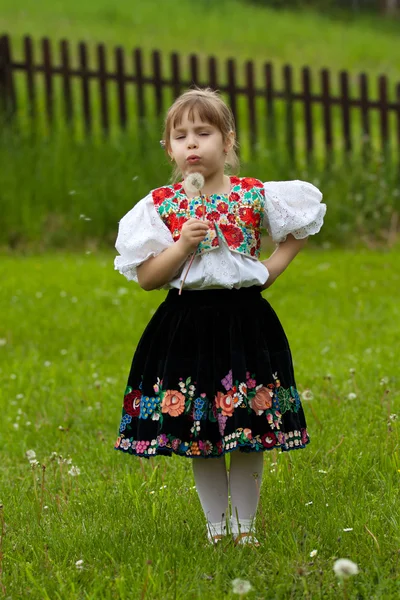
column 228, row 255
column 237, row 217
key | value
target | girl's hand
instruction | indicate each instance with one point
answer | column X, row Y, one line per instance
column 193, row 232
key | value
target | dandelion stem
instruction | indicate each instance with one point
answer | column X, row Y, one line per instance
column 194, row 253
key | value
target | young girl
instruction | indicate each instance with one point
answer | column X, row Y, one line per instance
column 212, row 373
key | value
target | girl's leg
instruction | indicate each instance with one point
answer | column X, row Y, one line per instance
column 245, row 476
column 211, row 481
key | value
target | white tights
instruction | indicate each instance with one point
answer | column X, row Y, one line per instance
column 213, row 486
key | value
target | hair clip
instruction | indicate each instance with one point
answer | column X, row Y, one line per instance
column 162, row 144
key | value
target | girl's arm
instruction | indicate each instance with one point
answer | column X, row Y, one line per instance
column 158, row 270
column 281, row 257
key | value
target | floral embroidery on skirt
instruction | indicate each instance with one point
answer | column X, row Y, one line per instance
column 179, row 399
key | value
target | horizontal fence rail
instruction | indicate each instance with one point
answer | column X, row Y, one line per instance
column 82, row 86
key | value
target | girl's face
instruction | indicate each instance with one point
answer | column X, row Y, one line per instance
column 197, row 146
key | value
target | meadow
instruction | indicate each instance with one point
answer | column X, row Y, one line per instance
column 89, row 522
column 79, row 520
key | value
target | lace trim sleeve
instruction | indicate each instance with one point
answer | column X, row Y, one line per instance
column 292, row 207
column 141, row 235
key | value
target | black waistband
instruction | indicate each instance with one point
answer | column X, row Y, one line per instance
column 220, row 296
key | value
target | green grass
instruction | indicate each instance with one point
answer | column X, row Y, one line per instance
column 70, row 326
column 61, row 193
column 361, row 42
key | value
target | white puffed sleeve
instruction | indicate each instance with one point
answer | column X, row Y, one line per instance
column 141, row 234
column 292, row 207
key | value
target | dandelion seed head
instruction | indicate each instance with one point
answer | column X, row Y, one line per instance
column 241, row 586
column 313, row 553
column 194, row 182
column 344, row 568
column 74, row 471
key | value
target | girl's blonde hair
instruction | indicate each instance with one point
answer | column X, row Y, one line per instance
column 211, row 109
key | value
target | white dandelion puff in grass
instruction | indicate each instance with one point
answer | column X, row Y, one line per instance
column 241, row 586
column 79, row 564
column 30, row 454
column 313, row 553
column 352, row 396
column 307, row 395
column 194, row 182
column 348, row 529
column 3, row 342
column 345, row 568
column 74, row 471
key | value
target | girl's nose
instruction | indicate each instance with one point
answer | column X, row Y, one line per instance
column 192, row 143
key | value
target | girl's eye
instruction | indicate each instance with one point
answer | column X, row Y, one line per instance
column 179, row 137
column 205, row 133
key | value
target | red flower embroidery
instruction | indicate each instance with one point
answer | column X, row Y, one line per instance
column 248, row 216
column 213, row 216
column 215, row 242
column 235, row 180
column 200, row 211
column 232, row 234
column 235, row 197
column 252, row 251
column 177, row 186
column 160, row 194
column 231, row 218
column 222, row 207
column 175, row 223
column 268, row 440
column 132, row 403
column 249, row 182
column 183, row 203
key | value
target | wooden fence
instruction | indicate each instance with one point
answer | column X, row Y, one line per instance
column 349, row 116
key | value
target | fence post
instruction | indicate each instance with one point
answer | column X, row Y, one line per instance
column 308, row 122
column 364, row 105
column 66, row 82
column 383, row 109
column 30, row 76
column 8, row 101
column 327, row 113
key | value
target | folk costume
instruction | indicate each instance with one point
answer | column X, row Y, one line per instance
column 213, row 371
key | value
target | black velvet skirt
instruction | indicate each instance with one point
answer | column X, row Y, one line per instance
column 212, row 373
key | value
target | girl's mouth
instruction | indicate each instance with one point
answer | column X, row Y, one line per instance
column 193, row 159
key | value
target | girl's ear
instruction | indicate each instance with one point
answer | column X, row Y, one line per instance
column 229, row 142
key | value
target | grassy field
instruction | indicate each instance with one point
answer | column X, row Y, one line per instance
column 59, row 193
column 70, row 325
column 356, row 43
